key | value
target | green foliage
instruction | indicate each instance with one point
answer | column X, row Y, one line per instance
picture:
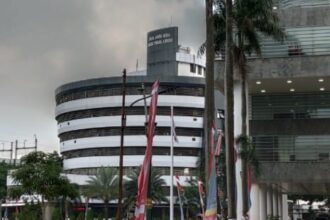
column 72, row 217
column 248, row 152
column 4, row 168
column 100, row 216
column 156, row 188
column 30, row 212
column 56, row 215
column 191, row 197
column 81, row 216
column 41, row 175
column 103, row 186
column 90, row 214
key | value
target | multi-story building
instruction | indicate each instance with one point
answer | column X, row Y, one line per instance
column 88, row 113
column 289, row 109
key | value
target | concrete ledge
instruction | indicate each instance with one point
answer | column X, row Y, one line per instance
column 302, row 17
column 285, row 67
column 295, row 172
column 290, row 127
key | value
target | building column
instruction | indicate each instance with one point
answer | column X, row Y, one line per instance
column 285, row 208
column 263, row 202
column 238, row 132
column 269, row 201
column 275, row 203
column 255, row 205
column 280, row 212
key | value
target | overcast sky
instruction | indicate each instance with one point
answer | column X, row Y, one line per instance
column 46, row 43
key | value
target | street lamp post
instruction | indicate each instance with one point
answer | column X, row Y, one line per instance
column 121, row 153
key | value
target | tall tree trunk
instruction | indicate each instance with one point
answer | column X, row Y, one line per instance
column 245, row 194
column 229, row 117
column 106, row 209
column 209, row 92
column 1, row 208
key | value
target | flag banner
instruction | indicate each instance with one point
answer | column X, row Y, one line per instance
column 173, row 126
column 219, row 142
column 179, row 190
column 178, row 185
column 145, row 169
column 211, row 202
column 249, row 176
column 201, row 195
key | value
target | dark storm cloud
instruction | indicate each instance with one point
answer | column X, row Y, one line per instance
column 44, row 44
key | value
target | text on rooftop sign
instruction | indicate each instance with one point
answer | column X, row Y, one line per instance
column 159, row 39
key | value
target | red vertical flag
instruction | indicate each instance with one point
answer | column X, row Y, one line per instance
column 218, row 146
column 145, row 169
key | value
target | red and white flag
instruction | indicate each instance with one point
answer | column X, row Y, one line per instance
column 201, row 195
column 178, row 185
column 145, row 169
column 211, row 152
column 218, row 146
column 173, row 126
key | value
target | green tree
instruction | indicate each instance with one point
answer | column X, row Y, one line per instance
column 156, row 187
column 40, row 174
column 30, row 212
column 191, row 198
column 251, row 19
column 4, row 168
column 103, row 186
column 209, row 80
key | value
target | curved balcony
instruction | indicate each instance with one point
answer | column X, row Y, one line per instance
column 114, row 101
column 129, row 161
column 131, row 140
column 131, row 121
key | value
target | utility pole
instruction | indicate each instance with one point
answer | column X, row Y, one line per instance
column 17, row 148
column 35, row 142
column 121, row 154
column 229, row 113
column 8, row 150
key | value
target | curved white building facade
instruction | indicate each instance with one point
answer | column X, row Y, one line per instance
column 89, row 124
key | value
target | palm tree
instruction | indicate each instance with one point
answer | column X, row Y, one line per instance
column 229, row 93
column 250, row 19
column 103, row 186
column 191, row 198
column 209, row 78
column 156, row 187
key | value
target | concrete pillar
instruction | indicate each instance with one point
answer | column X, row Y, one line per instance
column 280, row 213
column 255, row 206
column 269, row 201
column 275, row 203
column 263, row 202
column 238, row 132
column 285, row 208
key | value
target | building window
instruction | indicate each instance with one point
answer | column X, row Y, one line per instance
column 199, row 70
column 193, row 68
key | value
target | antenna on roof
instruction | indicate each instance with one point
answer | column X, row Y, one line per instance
column 171, row 21
column 137, row 65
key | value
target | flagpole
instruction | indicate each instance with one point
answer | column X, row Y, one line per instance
column 171, row 170
column 180, row 201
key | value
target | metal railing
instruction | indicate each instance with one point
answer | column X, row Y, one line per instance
column 303, row 41
column 292, row 148
column 298, row 106
column 303, row 3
